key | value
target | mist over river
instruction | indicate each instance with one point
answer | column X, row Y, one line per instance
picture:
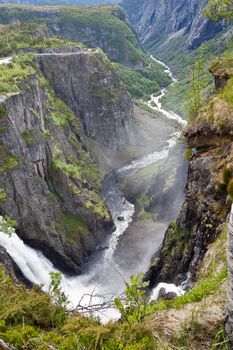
column 131, row 246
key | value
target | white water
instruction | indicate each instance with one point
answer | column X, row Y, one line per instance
column 169, row 288
column 155, row 101
column 103, row 276
column 5, row 60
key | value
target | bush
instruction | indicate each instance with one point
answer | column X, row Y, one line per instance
column 230, row 188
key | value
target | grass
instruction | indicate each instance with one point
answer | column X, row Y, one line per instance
column 30, row 320
column 142, row 83
column 28, row 136
column 12, row 74
column 8, row 161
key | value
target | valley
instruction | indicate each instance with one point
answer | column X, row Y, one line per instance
column 115, row 176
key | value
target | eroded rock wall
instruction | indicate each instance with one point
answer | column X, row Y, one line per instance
column 49, row 183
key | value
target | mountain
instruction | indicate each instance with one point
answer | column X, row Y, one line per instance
column 158, row 22
column 58, row 2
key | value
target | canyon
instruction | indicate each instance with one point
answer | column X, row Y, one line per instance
column 93, row 178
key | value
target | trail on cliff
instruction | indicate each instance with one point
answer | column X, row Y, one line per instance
column 102, row 276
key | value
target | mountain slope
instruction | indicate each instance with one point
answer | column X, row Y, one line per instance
column 158, row 21
column 57, row 2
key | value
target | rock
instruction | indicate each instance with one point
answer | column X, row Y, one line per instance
column 158, row 21
column 11, row 268
column 120, row 218
column 5, row 346
column 52, row 185
column 92, row 89
column 166, row 296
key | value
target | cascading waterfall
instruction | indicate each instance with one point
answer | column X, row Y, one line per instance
column 102, row 275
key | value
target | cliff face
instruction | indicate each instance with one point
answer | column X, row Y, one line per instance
column 207, row 204
column 89, row 85
column 49, row 183
column 103, row 26
column 159, row 21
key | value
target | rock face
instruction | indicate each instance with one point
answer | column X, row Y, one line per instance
column 89, row 85
column 103, row 27
column 11, row 268
column 48, row 180
column 206, row 206
column 5, row 346
column 158, row 21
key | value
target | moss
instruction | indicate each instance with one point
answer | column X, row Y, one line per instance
column 187, row 153
column 230, row 188
column 8, row 161
column 28, row 136
column 11, row 75
column 3, row 111
column 3, row 195
column 227, row 174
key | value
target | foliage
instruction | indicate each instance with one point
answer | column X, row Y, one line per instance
column 143, row 82
column 188, row 153
column 220, row 340
column 3, row 195
column 7, row 224
column 227, row 185
column 195, row 95
column 28, row 136
column 8, row 161
column 134, row 307
column 12, row 74
column 58, row 296
column 219, row 9
column 23, row 36
column 3, row 111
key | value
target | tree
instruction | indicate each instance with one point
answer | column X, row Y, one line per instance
column 219, row 9
column 134, row 307
column 58, row 297
column 198, row 82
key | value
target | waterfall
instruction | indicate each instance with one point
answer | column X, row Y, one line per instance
column 102, row 275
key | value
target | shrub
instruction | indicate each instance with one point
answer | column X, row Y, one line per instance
column 230, row 188
column 28, row 136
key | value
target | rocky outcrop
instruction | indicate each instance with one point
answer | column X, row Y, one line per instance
column 103, row 27
column 206, row 205
column 5, row 346
column 49, row 183
column 88, row 84
column 159, row 21
column 11, row 269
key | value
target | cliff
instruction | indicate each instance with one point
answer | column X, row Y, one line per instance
column 158, row 22
column 207, row 203
column 49, row 182
column 103, row 26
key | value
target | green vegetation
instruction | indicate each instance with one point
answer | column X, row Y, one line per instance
column 8, row 161
column 195, row 95
column 3, row 195
column 70, row 169
column 188, row 153
column 142, row 83
column 30, row 320
column 219, row 9
column 12, row 74
column 3, row 111
column 14, row 38
column 226, row 186
column 28, row 136
column 7, row 224
column 134, row 307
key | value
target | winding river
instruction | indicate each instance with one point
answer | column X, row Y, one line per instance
column 103, row 277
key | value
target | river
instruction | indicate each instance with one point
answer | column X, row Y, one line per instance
column 103, row 276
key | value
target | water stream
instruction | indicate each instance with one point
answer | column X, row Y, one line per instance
column 102, row 274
